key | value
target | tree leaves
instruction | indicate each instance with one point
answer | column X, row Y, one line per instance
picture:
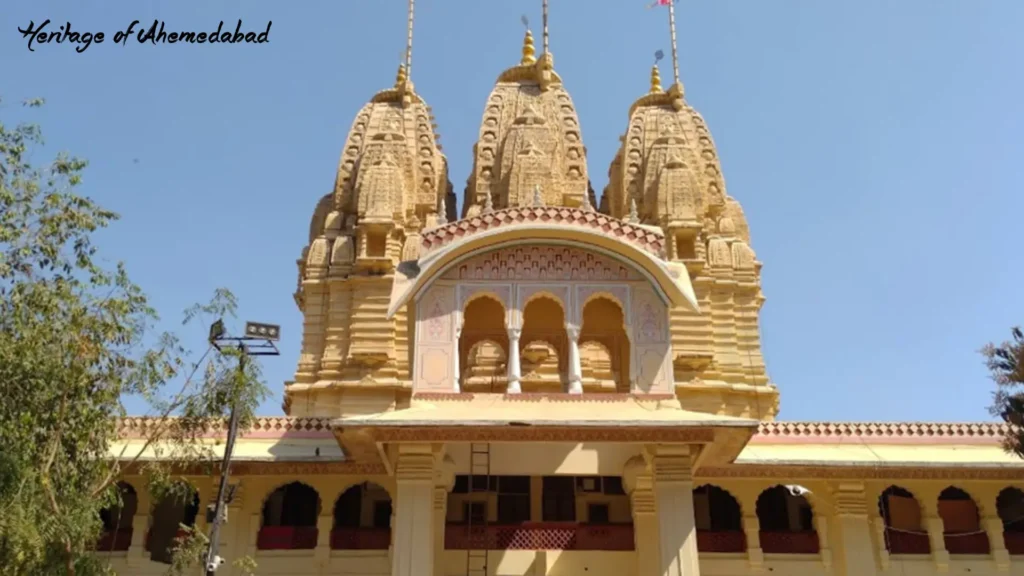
column 1006, row 363
column 76, row 340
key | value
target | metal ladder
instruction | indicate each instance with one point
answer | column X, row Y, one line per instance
column 479, row 466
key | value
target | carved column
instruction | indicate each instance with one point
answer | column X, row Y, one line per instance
column 639, row 484
column 879, row 527
column 752, row 530
column 515, row 374
column 413, row 528
column 824, row 550
column 854, row 530
column 673, row 492
column 575, row 369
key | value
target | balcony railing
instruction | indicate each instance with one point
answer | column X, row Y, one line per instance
column 1014, row 542
column 973, row 543
column 112, row 541
column 360, row 538
column 540, row 536
column 287, row 538
column 907, row 542
column 805, row 542
column 721, row 541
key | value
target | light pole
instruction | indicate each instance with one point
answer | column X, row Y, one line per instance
column 258, row 341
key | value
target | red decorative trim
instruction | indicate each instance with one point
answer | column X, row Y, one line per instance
column 648, row 240
column 879, row 433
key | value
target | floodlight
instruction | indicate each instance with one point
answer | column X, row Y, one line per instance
column 262, row 331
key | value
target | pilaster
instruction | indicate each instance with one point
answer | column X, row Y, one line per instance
column 444, row 481
column 752, row 530
column 324, row 524
column 673, row 493
column 639, row 484
column 140, row 527
column 313, row 316
column 936, row 529
column 414, row 525
column 993, row 526
column 854, row 530
column 336, row 331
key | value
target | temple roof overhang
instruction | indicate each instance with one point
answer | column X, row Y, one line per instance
column 573, row 418
column 639, row 246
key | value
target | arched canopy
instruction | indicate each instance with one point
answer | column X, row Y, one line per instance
column 669, row 279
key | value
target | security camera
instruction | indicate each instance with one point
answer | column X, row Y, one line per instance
column 797, row 490
column 214, row 563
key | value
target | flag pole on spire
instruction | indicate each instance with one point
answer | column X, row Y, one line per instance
column 672, row 31
column 408, row 42
column 672, row 27
column 544, row 14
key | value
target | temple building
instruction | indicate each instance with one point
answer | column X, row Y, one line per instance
column 548, row 382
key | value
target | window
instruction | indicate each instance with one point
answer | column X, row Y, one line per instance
column 474, row 512
column 612, row 485
column 598, row 514
column 559, row 499
column 513, row 499
column 382, row 514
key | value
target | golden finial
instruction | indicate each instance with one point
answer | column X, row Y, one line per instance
column 528, row 50
column 655, row 80
column 400, row 78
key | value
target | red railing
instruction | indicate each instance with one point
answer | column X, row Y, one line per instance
column 730, row 541
column 974, row 543
column 907, row 542
column 118, row 541
column 360, row 538
column 1014, row 542
column 540, row 536
column 789, row 542
column 287, row 538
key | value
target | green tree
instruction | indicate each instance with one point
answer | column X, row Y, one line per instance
column 76, row 342
column 1006, row 363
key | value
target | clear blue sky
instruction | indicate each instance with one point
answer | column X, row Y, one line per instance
column 876, row 147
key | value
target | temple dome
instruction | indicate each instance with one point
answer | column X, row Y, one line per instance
column 392, row 181
column 667, row 162
column 529, row 137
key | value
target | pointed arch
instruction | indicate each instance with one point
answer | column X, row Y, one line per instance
column 901, row 512
column 719, row 520
column 289, row 518
column 787, row 522
column 961, row 522
column 362, row 518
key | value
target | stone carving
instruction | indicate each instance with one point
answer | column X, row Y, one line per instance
column 556, row 263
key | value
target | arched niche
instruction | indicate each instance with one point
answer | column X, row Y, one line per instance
column 117, row 519
column 961, row 522
column 719, row 520
column 483, row 343
column 543, row 347
column 362, row 518
column 289, row 518
column 603, row 321
column 787, row 522
column 1010, row 507
column 177, row 507
column 901, row 512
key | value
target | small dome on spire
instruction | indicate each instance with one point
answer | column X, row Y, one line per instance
column 528, row 49
column 655, row 80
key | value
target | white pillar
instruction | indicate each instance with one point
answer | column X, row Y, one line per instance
column 514, row 371
column 413, row 528
column 575, row 369
column 673, row 493
column 456, row 373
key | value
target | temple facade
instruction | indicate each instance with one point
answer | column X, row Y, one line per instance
column 548, row 383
